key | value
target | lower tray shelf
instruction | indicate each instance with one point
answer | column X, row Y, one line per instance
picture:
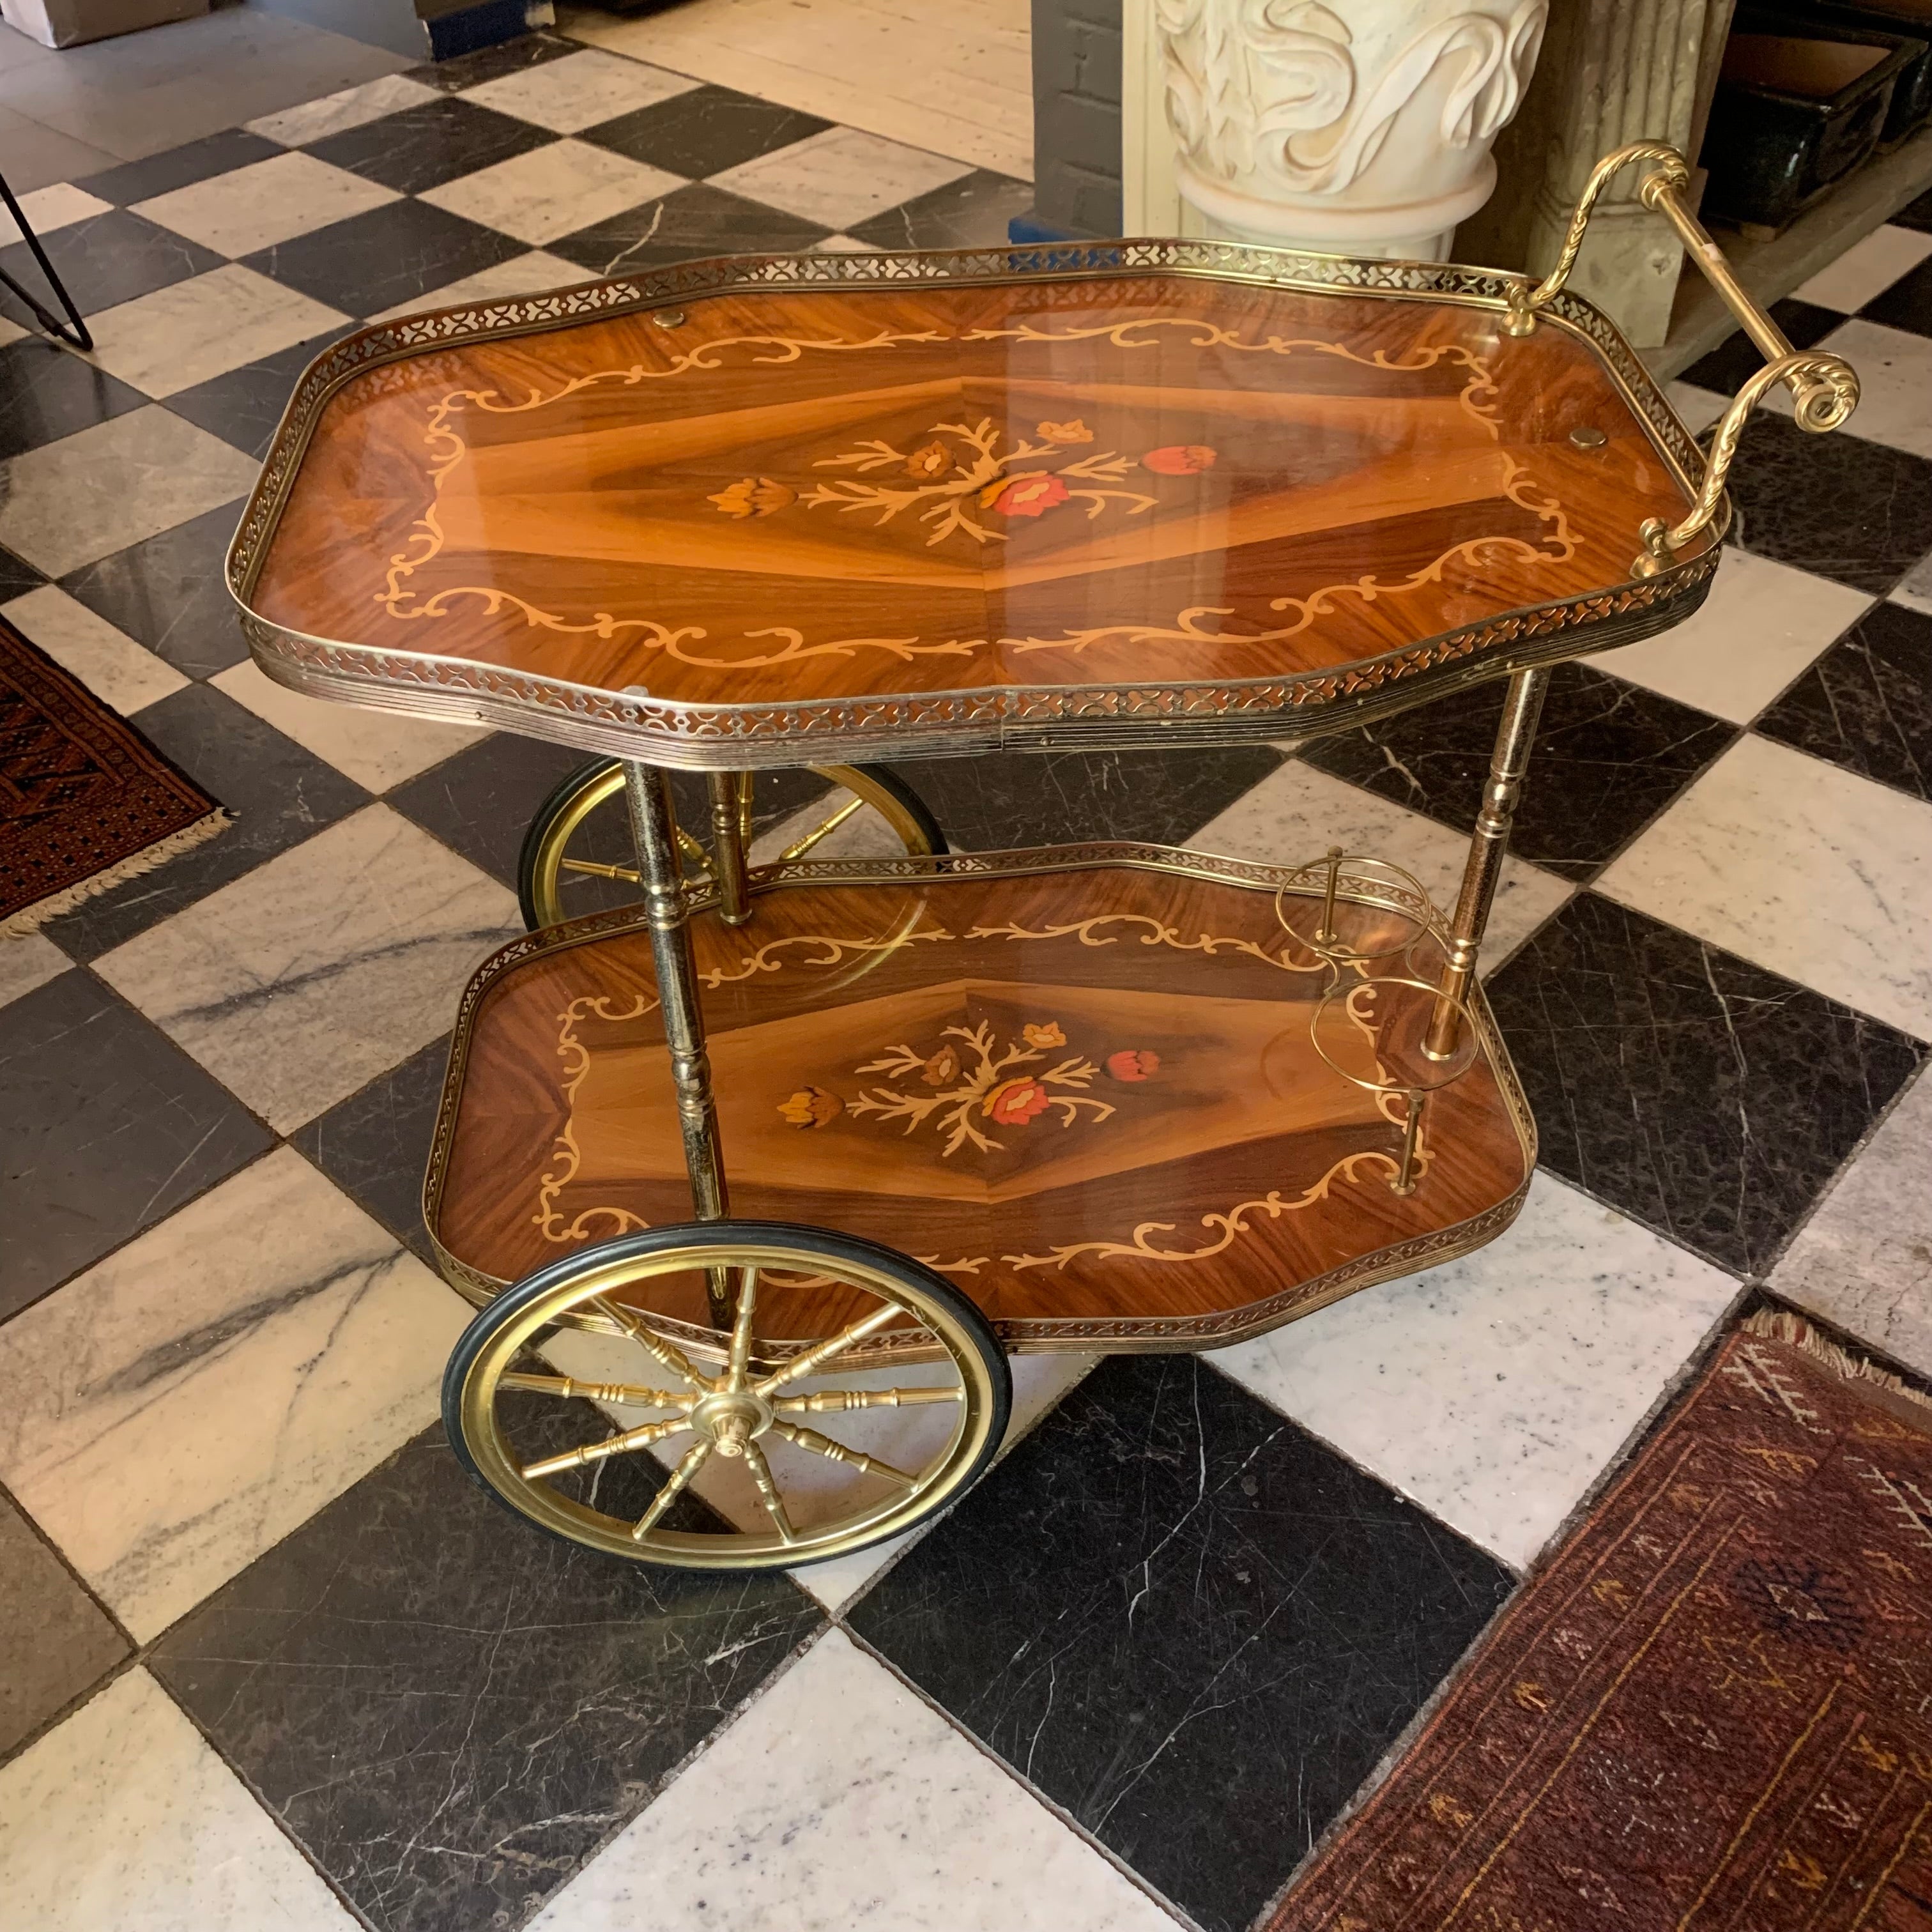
column 1082, row 1085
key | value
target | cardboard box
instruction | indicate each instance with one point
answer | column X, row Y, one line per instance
column 67, row 23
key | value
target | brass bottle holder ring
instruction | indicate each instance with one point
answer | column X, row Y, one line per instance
column 1382, row 876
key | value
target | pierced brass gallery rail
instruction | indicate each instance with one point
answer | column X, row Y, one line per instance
column 1824, row 387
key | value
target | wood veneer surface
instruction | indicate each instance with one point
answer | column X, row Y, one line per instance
column 829, row 493
column 1085, row 1096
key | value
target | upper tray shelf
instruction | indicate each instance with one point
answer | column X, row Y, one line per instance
column 750, row 512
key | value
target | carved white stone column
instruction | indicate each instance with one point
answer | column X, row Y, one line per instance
column 1361, row 129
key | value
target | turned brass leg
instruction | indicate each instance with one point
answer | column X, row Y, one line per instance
column 1487, row 844
column 730, row 803
column 654, row 825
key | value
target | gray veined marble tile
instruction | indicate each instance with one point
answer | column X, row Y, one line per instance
column 1296, row 813
column 551, row 191
column 1495, row 1389
column 1863, row 1261
column 536, row 273
column 307, row 977
column 264, row 203
column 192, row 331
column 1866, row 269
column 181, row 1407
column 1800, row 866
column 334, row 113
column 124, row 1816
column 841, row 177
column 1762, row 624
column 568, row 96
column 112, row 485
column 50, row 209
column 118, row 671
column 837, row 1802
column 28, row 960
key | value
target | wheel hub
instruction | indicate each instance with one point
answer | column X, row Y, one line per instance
column 730, row 1421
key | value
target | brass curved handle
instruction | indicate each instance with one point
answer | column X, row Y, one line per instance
column 1824, row 387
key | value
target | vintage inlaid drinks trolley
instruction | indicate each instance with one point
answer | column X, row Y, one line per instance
column 758, row 1168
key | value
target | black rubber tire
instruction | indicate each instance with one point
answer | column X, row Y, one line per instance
column 510, row 1303
column 563, row 794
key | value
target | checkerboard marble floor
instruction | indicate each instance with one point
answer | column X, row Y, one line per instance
column 267, row 1659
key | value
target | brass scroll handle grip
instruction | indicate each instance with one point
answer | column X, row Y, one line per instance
column 1824, row 387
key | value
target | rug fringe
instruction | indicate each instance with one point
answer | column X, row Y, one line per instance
column 1779, row 1324
column 28, row 920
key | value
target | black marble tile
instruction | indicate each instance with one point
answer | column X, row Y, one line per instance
column 17, row 576
column 46, row 393
column 969, row 213
column 180, row 167
column 1186, row 1620
column 280, row 794
column 169, row 593
column 1737, row 357
column 704, row 131
column 1837, row 505
column 108, row 1127
column 431, row 143
column 390, row 255
column 375, row 1144
column 688, row 223
column 450, row 1710
column 472, row 69
column 1013, row 798
column 1610, row 756
column 55, row 1638
column 243, row 407
column 1867, row 703
column 1916, row 214
column 1906, row 304
column 480, row 802
column 106, row 259
column 1699, row 1093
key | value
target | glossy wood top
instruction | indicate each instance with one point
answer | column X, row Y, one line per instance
column 1089, row 1097
column 818, row 494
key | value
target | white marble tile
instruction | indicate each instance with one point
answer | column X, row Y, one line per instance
column 840, row 177
column 907, row 1437
column 298, row 984
column 535, row 274
column 1493, row 1390
column 191, row 331
column 1296, row 813
column 266, row 203
column 1915, row 589
column 181, row 1406
column 568, row 96
column 1802, row 866
column 1894, row 369
column 956, row 79
column 334, row 113
column 123, row 1819
column 844, row 244
column 1864, row 1260
column 552, row 191
column 1762, row 625
column 1700, row 408
column 118, row 671
column 112, row 484
column 838, row 1801
column 376, row 748
column 48, row 209
column 1866, row 268
column 27, row 960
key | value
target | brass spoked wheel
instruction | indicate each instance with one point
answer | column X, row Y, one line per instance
column 769, row 1452
column 577, row 857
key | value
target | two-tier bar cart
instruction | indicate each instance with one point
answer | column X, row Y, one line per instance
column 758, row 1169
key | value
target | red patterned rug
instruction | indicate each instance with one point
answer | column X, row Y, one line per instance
column 1712, row 1708
column 85, row 801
